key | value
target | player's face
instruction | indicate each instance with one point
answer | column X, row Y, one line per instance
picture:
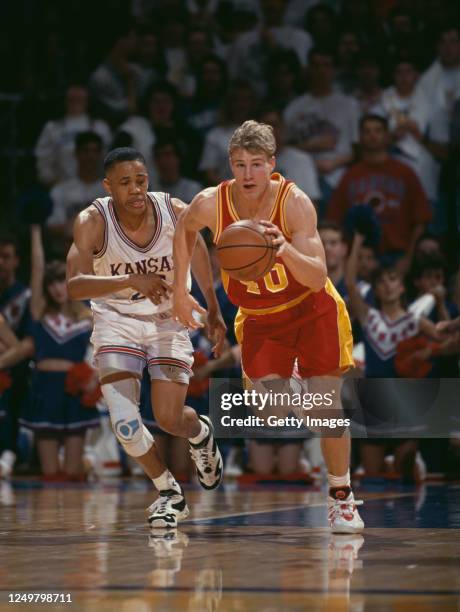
column 252, row 171
column 58, row 292
column 389, row 288
column 127, row 183
column 9, row 261
column 334, row 248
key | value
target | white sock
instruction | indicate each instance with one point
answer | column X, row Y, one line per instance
column 8, row 459
column 202, row 435
column 166, row 481
column 339, row 481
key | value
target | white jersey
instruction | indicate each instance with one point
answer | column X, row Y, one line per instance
column 119, row 256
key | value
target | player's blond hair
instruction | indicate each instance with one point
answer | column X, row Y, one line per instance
column 253, row 136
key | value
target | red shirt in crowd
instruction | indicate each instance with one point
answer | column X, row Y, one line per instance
column 395, row 193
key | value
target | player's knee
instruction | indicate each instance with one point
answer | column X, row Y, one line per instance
column 133, row 436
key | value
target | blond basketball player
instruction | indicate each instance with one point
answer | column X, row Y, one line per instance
column 121, row 259
column 293, row 314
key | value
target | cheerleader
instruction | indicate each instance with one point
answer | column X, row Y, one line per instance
column 62, row 384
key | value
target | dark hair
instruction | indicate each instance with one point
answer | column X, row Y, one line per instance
column 373, row 117
column 87, row 137
column 326, row 51
column 333, row 227
column 122, row 154
column 9, row 240
column 425, row 261
column 164, row 142
column 377, row 275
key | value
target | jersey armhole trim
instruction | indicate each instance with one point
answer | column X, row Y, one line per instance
column 282, row 208
column 100, row 209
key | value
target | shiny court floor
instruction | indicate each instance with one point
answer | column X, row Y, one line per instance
column 250, row 549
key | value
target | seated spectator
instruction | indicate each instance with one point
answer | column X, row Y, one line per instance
column 248, row 58
column 238, row 106
column 390, row 187
column 168, row 159
column 211, row 85
column 348, row 47
column 160, row 118
column 72, row 195
column 321, row 23
column 292, row 163
column 118, row 83
column 198, row 45
column 323, row 122
column 283, row 78
column 427, row 244
column 55, row 148
column 368, row 92
column 149, row 56
column 408, row 113
column 335, row 249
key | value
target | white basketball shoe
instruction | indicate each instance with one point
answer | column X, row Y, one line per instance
column 207, row 458
column 167, row 510
column 343, row 515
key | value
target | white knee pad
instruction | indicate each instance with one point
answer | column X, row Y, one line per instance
column 122, row 397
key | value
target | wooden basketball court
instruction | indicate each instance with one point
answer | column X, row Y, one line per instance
column 249, row 549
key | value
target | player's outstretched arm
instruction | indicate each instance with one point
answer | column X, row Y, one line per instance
column 199, row 214
column 202, row 271
column 83, row 284
column 304, row 255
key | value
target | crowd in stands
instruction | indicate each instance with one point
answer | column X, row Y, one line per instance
column 364, row 100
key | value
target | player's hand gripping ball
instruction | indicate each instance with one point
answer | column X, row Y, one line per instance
column 245, row 251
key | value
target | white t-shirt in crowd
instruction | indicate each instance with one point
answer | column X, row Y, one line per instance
column 299, row 167
column 215, row 151
column 440, row 86
column 185, row 189
column 70, row 197
column 55, row 148
column 416, row 107
column 308, row 116
column 143, row 139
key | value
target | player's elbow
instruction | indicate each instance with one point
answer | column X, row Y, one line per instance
column 319, row 279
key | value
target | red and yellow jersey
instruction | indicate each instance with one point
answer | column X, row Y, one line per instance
column 278, row 289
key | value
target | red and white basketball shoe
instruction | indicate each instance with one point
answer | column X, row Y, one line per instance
column 343, row 515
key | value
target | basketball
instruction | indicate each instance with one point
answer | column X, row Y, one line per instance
column 245, row 252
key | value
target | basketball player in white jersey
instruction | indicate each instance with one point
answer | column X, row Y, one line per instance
column 121, row 259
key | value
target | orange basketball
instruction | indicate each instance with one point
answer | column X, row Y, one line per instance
column 245, row 252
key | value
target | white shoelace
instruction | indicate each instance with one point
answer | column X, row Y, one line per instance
column 201, row 454
column 341, row 506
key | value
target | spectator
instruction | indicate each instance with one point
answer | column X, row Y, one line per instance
column 283, row 78
column 118, row 83
column 440, row 84
column 320, row 22
column 55, row 149
column 239, row 104
column 323, row 122
column 58, row 336
column 427, row 244
column 160, row 118
column 335, row 249
column 390, row 187
column 72, row 195
column 168, row 159
column 149, row 56
column 368, row 92
column 408, row 113
column 184, row 75
column 249, row 56
column 293, row 164
column 14, row 310
column 348, row 47
column 211, row 85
